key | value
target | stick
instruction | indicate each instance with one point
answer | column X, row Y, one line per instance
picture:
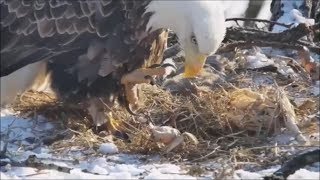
column 289, row 115
column 207, row 155
column 296, row 163
column 244, row 45
column 260, row 20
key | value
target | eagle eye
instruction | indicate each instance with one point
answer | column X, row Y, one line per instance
column 194, row 40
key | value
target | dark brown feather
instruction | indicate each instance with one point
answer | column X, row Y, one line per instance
column 65, row 31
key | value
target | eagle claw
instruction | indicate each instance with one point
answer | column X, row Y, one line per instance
column 139, row 76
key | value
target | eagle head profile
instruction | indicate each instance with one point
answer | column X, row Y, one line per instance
column 199, row 25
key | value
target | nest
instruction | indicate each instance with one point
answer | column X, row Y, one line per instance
column 222, row 114
column 33, row 103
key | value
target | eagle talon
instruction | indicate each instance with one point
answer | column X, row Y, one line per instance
column 127, row 106
column 102, row 120
column 139, row 76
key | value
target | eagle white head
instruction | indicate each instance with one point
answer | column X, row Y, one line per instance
column 199, row 25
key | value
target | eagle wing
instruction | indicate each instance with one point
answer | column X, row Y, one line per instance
column 71, row 31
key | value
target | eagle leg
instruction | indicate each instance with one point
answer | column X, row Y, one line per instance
column 139, row 76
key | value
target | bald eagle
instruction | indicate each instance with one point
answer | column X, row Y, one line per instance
column 98, row 49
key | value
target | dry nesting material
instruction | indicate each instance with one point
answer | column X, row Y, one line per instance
column 225, row 116
column 236, row 115
column 141, row 142
column 33, row 103
column 210, row 113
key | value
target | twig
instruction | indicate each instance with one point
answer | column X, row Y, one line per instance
column 289, row 115
column 34, row 174
column 277, row 146
column 207, row 155
column 229, row 135
column 248, row 44
column 260, row 20
column 246, row 163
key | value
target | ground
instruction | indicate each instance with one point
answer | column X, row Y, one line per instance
column 106, row 163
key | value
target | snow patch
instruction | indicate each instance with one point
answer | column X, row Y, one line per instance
column 108, row 148
column 168, row 168
column 159, row 175
column 304, row 174
column 242, row 174
column 315, row 90
column 291, row 15
column 258, row 60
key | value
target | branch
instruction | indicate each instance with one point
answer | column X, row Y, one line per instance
column 295, row 163
column 237, row 37
column 260, row 20
column 246, row 38
column 287, row 36
column 244, row 45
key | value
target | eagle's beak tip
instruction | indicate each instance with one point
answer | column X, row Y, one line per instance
column 194, row 67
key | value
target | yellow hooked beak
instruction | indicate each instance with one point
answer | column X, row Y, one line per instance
column 194, row 65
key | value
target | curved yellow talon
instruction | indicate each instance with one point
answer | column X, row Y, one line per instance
column 112, row 124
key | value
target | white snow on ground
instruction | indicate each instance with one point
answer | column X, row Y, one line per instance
column 291, row 15
column 108, row 148
column 258, row 60
column 118, row 166
column 98, row 166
